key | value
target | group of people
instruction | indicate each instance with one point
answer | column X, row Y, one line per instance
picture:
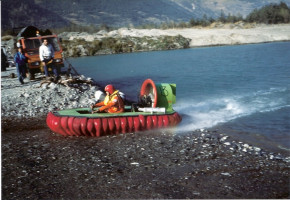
column 113, row 102
column 46, row 55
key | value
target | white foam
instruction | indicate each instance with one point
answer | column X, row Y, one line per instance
column 206, row 114
column 197, row 115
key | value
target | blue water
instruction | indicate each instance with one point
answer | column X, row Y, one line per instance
column 244, row 89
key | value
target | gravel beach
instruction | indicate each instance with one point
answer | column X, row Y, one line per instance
column 38, row 164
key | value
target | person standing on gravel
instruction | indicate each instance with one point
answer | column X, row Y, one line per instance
column 46, row 55
column 20, row 61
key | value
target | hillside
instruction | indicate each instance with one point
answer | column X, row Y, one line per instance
column 118, row 13
column 17, row 13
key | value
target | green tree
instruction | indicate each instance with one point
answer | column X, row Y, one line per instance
column 205, row 21
column 222, row 17
column 270, row 14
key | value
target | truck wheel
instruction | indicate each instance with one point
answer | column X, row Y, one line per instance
column 31, row 75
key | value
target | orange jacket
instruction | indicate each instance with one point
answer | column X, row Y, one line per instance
column 112, row 103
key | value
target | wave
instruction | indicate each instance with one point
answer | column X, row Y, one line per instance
column 212, row 111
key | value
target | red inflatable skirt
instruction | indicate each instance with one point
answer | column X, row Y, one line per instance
column 106, row 124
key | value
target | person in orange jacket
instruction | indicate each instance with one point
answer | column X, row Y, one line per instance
column 113, row 103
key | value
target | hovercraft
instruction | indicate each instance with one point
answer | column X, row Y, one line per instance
column 154, row 110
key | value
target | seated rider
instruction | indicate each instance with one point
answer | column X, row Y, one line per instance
column 113, row 103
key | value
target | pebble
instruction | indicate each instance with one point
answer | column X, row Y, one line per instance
column 244, row 150
column 135, row 163
column 226, row 174
column 227, row 143
column 224, row 138
column 257, row 149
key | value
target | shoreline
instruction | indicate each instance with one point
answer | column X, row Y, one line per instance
column 237, row 36
column 215, row 35
column 126, row 40
column 155, row 164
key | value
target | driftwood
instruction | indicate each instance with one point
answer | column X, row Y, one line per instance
column 70, row 82
column 49, row 81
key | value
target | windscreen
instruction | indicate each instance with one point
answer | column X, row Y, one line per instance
column 54, row 43
column 34, row 44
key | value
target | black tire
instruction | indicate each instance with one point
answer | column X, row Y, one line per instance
column 31, row 74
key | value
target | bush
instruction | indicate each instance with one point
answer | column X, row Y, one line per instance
column 80, row 47
column 270, row 14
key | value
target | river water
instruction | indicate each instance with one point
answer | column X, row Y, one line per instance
column 242, row 90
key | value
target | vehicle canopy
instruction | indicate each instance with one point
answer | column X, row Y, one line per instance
column 30, row 31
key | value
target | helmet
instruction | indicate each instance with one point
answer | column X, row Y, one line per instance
column 110, row 89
